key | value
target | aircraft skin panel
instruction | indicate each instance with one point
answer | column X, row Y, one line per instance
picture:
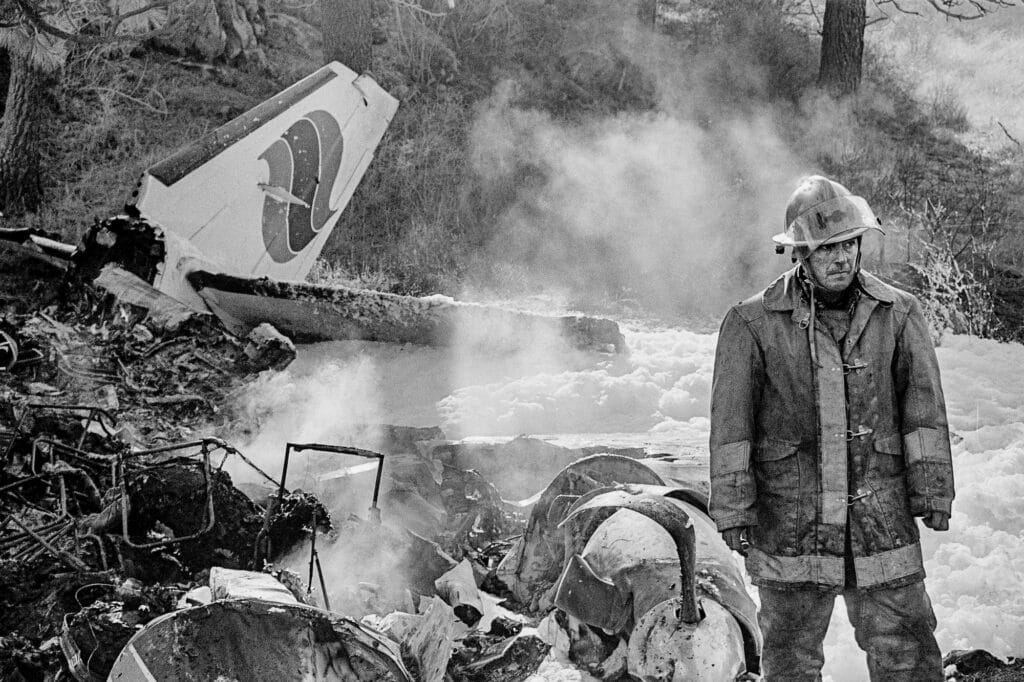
column 310, row 255
column 260, row 196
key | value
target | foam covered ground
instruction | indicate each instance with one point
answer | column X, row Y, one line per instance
column 658, row 395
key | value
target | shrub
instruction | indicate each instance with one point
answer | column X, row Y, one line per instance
column 946, row 109
column 952, row 296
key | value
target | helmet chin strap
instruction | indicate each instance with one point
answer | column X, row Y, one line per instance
column 815, row 285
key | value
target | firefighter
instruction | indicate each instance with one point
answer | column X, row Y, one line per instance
column 828, row 437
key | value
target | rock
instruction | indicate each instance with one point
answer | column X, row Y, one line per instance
column 212, row 30
column 292, row 32
column 266, row 348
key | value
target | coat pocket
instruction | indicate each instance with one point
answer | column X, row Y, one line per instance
column 774, row 450
column 777, row 465
column 888, row 457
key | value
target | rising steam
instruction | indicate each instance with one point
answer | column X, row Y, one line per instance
column 674, row 206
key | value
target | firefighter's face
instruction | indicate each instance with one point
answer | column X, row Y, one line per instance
column 835, row 265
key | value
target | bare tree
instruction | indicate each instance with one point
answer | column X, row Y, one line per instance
column 647, row 12
column 961, row 10
column 842, row 46
column 842, row 33
column 36, row 36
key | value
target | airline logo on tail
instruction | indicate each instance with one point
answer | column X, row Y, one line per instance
column 304, row 165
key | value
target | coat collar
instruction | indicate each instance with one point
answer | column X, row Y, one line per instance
column 785, row 292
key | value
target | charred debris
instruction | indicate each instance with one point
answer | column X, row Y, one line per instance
column 120, row 522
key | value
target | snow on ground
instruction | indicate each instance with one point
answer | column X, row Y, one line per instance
column 658, row 395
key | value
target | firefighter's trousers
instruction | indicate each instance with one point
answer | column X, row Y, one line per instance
column 894, row 626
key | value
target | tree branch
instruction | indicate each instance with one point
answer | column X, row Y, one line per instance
column 159, row 4
column 899, row 8
column 1012, row 138
column 36, row 19
column 947, row 7
column 118, row 18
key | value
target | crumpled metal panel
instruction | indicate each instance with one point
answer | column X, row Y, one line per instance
column 532, row 567
column 252, row 639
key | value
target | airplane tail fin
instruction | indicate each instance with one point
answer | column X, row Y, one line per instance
column 260, row 195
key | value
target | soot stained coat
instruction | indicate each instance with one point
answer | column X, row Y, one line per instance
column 799, row 451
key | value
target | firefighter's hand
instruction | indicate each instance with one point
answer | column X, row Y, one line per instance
column 936, row 520
column 736, row 538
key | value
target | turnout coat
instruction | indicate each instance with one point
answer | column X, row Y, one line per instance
column 834, row 457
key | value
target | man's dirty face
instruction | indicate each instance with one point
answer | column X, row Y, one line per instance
column 835, row 265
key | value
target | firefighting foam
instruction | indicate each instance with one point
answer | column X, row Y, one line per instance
column 657, row 396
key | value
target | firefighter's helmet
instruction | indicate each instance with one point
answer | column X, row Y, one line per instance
column 821, row 212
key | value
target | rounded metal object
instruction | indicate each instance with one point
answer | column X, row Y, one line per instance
column 664, row 648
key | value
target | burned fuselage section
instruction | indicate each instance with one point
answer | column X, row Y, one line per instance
column 613, row 548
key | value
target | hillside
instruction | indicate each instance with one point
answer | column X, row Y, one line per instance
column 532, row 137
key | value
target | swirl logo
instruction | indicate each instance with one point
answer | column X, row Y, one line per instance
column 303, row 164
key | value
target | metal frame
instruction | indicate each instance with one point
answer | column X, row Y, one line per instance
column 206, row 447
column 314, row 556
column 121, row 480
column 40, row 539
column 338, row 450
column 31, row 407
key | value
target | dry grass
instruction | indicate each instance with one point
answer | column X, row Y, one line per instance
column 980, row 63
column 114, row 118
column 422, row 214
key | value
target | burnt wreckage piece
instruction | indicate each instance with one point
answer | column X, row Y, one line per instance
column 642, row 561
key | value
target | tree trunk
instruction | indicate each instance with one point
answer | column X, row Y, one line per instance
column 348, row 33
column 647, row 12
column 842, row 46
column 20, row 186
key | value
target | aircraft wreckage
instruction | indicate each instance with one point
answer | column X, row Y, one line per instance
column 232, row 224
column 631, row 573
column 139, row 564
column 617, row 560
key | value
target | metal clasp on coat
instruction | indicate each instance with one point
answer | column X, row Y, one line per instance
column 850, row 435
column 861, row 494
column 857, row 364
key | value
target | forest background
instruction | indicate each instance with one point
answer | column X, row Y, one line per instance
column 634, row 158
